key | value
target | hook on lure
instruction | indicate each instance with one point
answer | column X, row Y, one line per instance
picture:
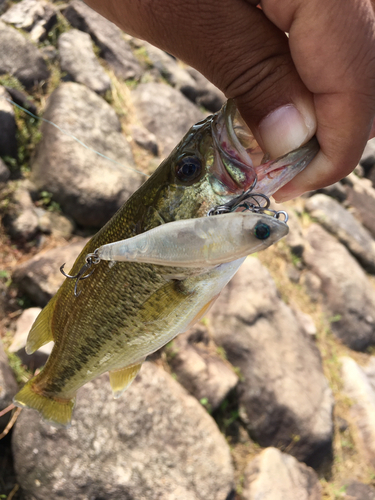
column 249, row 201
column 91, row 259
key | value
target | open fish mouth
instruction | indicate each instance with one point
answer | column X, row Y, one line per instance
column 241, row 164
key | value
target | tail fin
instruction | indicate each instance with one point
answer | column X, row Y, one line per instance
column 55, row 411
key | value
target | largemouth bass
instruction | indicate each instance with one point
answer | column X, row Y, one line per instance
column 126, row 310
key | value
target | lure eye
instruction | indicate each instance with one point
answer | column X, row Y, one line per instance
column 188, row 169
column 262, row 231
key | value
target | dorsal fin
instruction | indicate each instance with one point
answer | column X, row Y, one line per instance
column 122, row 378
column 41, row 331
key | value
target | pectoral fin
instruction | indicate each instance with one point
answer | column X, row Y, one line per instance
column 122, row 378
column 41, row 331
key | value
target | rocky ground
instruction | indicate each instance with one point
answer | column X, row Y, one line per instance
column 272, row 394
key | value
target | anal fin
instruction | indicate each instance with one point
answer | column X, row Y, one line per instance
column 41, row 331
column 122, row 378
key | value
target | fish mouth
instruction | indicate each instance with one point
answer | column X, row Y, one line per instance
column 240, row 163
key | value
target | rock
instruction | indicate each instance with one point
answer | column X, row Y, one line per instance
column 200, row 369
column 25, row 226
column 341, row 223
column 22, row 99
column 336, row 191
column 361, row 196
column 25, row 14
column 35, row 16
column 89, row 188
column 165, row 112
column 3, row 5
column 207, row 95
column 4, row 172
column 8, row 140
column 359, row 491
column 170, row 69
column 77, row 58
column 40, row 277
column 368, row 156
column 285, row 396
column 273, row 475
column 54, row 223
column 21, row 219
column 21, row 58
column 359, row 389
column 145, row 139
column 23, row 326
column 154, row 442
column 306, row 322
column 8, row 386
column 313, row 285
column 49, row 52
column 295, row 238
column 107, row 36
column 349, row 297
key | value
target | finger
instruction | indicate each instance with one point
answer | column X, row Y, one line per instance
column 333, row 51
column 235, row 46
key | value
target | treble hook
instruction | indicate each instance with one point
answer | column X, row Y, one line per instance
column 91, row 259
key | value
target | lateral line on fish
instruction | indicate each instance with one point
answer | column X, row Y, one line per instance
column 65, row 132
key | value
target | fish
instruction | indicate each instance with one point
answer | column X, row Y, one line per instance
column 110, row 318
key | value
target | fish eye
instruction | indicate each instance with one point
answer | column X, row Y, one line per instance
column 262, row 231
column 188, row 169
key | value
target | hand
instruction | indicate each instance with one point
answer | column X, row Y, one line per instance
column 319, row 81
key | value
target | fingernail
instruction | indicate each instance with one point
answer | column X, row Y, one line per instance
column 285, row 129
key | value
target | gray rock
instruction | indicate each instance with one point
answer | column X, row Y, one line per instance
column 359, row 491
column 21, row 58
column 273, row 475
column 313, row 285
column 89, row 188
column 107, row 36
column 3, row 5
column 341, row 223
column 35, row 16
column 154, row 442
column 349, row 297
column 21, row 219
column 368, row 156
column 207, row 95
column 25, row 14
column 361, row 196
column 8, row 141
column 145, row 139
column 25, row 226
column 295, row 238
column 54, row 223
column 359, row 389
column 170, row 69
column 165, row 112
column 77, row 58
column 49, row 52
column 336, row 190
column 4, row 172
column 40, row 277
column 200, row 369
column 22, row 99
column 283, row 390
column 23, row 326
column 8, row 386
